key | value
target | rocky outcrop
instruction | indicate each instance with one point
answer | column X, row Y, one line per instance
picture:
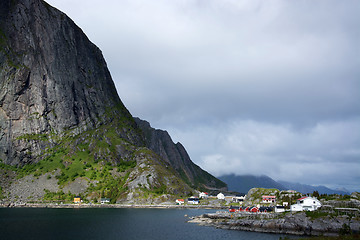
column 52, row 79
column 296, row 224
column 254, row 196
column 31, row 188
column 175, row 154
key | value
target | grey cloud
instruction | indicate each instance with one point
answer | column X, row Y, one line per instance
column 240, row 83
column 312, row 156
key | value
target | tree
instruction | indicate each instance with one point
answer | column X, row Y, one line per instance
column 316, row 194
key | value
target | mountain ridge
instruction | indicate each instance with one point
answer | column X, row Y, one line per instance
column 243, row 183
column 305, row 188
column 175, row 154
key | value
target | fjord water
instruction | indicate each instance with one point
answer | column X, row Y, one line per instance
column 107, row 223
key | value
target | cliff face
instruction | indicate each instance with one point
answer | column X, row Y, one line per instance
column 63, row 127
column 52, row 79
column 175, row 154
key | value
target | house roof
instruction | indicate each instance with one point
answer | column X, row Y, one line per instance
column 193, row 199
column 302, row 198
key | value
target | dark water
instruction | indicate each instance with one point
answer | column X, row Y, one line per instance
column 112, row 224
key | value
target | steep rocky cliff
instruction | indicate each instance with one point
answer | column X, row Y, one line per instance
column 63, row 128
column 175, row 154
column 52, row 79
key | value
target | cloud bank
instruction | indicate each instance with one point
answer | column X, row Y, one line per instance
column 248, row 86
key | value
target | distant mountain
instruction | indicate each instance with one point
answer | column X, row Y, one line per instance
column 342, row 189
column 304, row 188
column 244, row 183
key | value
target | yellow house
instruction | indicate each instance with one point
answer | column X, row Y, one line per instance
column 77, row 199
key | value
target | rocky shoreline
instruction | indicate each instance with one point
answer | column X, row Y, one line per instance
column 289, row 223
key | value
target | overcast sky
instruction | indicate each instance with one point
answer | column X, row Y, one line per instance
column 247, row 86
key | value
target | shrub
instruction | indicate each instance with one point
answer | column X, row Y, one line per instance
column 345, row 229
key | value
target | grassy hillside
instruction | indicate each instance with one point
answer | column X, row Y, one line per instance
column 100, row 160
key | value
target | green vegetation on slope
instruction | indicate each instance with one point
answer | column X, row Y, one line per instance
column 93, row 154
column 103, row 157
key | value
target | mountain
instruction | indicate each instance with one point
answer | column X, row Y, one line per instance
column 175, row 154
column 53, row 80
column 304, row 188
column 244, row 183
column 64, row 129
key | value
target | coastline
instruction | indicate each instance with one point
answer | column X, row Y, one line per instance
column 83, row 205
column 289, row 223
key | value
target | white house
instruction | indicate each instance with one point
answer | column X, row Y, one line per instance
column 279, row 209
column 193, row 200
column 306, row 204
column 203, row 195
column 180, row 201
column 268, row 199
column 238, row 198
column 104, row 200
column 220, row 196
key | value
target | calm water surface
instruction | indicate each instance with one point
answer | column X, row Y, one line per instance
column 112, row 224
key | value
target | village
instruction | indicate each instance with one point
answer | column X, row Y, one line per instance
column 267, row 203
column 260, row 210
column 275, row 201
column 285, row 212
column 257, row 200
